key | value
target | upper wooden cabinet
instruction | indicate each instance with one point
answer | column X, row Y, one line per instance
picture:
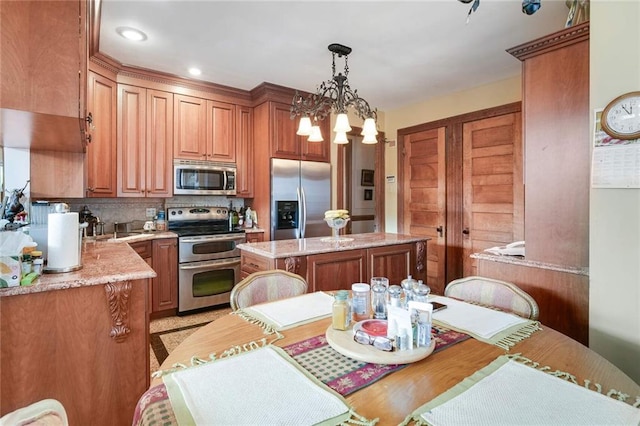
column 101, row 150
column 555, row 75
column 244, row 152
column 204, row 129
column 44, row 56
column 145, row 142
column 285, row 143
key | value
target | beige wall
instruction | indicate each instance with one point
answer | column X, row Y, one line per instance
column 490, row 95
column 614, row 292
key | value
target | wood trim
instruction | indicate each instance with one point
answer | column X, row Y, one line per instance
column 118, row 302
column 551, row 42
column 379, row 187
column 93, row 22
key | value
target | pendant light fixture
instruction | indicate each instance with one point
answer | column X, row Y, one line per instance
column 334, row 95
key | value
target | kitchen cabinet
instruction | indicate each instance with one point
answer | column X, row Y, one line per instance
column 244, row 152
column 44, row 57
column 145, row 142
column 162, row 255
column 164, row 287
column 255, row 237
column 101, row 151
column 325, row 268
column 204, row 129
column 285, row 143
column 555, row 81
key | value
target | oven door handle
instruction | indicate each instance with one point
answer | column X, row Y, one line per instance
column 202, row 265
column 240, row 239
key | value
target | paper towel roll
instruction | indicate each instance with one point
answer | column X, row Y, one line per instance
column 63, row 242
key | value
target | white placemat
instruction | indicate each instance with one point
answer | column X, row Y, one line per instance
column 516, row 394
column 293, row 311
column 259, row 387
column 477, row 320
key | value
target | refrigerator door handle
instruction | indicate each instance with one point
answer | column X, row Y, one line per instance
column 303, row 208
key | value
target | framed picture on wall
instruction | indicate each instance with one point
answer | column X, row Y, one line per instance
column 366, row 179
column 368, row 194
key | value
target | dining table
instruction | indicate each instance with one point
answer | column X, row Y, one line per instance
column 395, row 396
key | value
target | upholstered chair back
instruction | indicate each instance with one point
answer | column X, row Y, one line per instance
column 266, row 286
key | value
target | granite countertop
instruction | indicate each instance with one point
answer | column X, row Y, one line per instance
column 253, row 230
column 307, row 246
column 522, row 261
column 141, row 236
column 98, row 261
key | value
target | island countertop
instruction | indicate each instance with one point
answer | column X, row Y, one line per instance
column 306, row 246
column 102, row 262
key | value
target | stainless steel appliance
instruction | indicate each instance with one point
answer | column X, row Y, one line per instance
column 208, row 259
column 300, row 194
column 203, row 178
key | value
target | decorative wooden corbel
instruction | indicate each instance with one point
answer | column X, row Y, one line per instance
column 292, row 264
column 118, row 300
column 421, row 255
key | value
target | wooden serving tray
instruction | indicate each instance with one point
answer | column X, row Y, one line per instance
column 342, row 341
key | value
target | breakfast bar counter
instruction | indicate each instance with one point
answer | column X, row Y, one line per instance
column 69, row 332
column 329, row 263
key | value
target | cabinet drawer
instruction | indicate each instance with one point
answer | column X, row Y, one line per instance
column 143, row 248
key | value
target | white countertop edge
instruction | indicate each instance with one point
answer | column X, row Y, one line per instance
column 517, row 260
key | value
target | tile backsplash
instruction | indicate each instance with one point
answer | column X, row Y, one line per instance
column 111, row 210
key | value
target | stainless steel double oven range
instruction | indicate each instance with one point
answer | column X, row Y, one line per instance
column 208, row 259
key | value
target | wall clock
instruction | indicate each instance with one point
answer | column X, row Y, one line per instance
column 621, row 117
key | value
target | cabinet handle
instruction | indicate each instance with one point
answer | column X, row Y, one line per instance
column 465, row 231
column 439, row 230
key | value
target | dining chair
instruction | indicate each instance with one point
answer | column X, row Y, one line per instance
column 46, row 412
column 266, row 286
column 496, row 293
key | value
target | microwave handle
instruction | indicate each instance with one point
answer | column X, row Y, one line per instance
column 225, row 180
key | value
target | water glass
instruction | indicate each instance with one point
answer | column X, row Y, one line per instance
column 379, row 301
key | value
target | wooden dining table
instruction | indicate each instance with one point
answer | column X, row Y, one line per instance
column 398, row 394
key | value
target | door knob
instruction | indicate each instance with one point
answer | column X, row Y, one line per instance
column 439, row 230
column 465, row 231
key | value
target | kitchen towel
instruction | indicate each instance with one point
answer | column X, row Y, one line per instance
column 63, row 241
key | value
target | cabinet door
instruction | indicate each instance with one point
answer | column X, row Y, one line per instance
column 317, row 151
column 101, row 151
column 425, row 201
column 131, row 141
column 159, row 146
column 255, row 237
column 189, row 128
column 284, row 141
column 394, row 262
column 493, row 200
column 334, row 271
column 244, row 152
column 221, row 131
column 165, row 285
column 44, row 66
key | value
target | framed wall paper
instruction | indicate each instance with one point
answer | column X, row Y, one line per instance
column 366, row 179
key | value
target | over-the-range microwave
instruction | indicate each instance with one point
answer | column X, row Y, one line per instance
column 192, row 177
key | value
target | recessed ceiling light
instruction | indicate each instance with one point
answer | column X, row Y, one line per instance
column 131, row 33
column 194, row 71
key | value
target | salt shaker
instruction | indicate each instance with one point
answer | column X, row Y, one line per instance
column 394, row 293
column 379, row 301
column 421, row 292
column 407, row 289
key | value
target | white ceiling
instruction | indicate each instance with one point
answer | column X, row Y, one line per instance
column 403, row 52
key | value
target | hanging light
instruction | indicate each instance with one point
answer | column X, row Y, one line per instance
column 341, row 138
column 316, row 134
column 335, row 95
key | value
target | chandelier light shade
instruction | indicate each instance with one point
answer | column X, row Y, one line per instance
column 315, row 135
column 335, row 96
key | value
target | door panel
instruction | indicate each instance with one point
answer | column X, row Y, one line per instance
column 492, row 185
column 425, row 198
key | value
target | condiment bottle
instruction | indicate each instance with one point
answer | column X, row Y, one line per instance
column 360, row 301
column 407, row 289
column 341, row 318
column 379, row 301
column 421, row 292
column 395, row 293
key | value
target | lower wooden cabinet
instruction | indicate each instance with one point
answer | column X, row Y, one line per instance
column 255, row 237
column 162, row 256
column 339, row 269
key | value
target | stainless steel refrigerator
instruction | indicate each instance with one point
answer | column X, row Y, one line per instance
column 300, row 194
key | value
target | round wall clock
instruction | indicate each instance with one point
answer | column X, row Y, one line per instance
column 621, row 117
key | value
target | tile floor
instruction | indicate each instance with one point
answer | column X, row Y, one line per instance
column 167, row 333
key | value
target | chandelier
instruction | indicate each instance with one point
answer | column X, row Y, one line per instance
column 334, row 95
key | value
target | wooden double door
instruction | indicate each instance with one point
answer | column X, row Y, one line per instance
column 461, row 184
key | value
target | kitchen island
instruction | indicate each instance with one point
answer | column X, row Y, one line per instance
column 80, row 337
column 330, row 264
